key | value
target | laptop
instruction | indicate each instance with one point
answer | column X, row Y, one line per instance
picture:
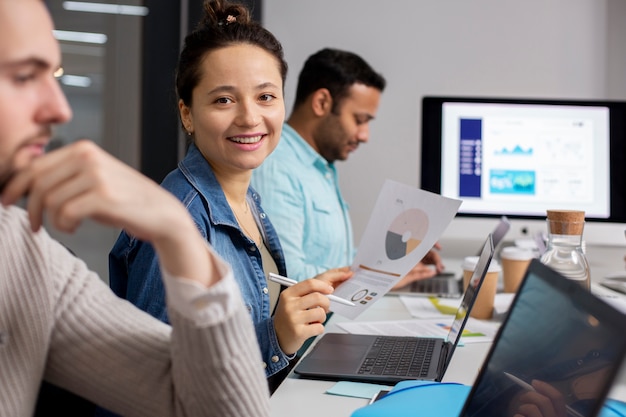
column 555, row 332
column 390, row 359
column 448, row 284
column 558, row 341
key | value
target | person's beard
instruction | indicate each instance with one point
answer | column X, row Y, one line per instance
column 9, row 169
column 330, row 138
column 5, row 177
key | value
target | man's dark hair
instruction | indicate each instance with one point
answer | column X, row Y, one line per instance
column 337, row 71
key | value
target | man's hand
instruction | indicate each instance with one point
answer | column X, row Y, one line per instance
column 81, row 181
column 428, row 267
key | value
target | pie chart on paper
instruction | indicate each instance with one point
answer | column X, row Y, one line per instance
column 406, row 233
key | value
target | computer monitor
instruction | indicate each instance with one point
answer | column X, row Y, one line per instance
column 520, row 157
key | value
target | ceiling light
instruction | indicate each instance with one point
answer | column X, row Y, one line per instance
column 81, row 6
column 85, row 37
column 76, row 80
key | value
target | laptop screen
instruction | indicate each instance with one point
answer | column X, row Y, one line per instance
column 563, row 365
column 469, row 294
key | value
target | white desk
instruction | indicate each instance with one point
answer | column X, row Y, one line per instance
column 301, row 397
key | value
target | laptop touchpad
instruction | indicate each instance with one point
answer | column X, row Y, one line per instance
column 337, row 354
column 342, row 352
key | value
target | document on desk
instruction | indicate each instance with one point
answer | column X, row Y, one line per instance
column 430, row 307
column 405, row 224
column 475, row 331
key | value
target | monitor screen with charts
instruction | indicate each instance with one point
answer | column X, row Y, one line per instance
column 389, row 359
column 520, row 157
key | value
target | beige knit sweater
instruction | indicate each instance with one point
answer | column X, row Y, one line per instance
column 60, row 322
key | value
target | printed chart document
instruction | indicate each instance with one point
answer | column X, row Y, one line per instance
column 404, row 226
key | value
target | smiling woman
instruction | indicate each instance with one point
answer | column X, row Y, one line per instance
column 235, row 123
column 229, row 82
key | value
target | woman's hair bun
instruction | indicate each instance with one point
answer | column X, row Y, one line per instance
column 223, row 13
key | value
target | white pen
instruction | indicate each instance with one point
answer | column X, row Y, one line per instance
column 287, row 282
column 526, row 385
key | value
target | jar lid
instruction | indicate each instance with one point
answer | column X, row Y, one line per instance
column 566, row 222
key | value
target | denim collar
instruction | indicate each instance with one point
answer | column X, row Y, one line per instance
column 200, row 175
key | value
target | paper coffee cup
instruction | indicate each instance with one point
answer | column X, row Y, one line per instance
column 514, row 262
column 468, row 266
column 483, row 306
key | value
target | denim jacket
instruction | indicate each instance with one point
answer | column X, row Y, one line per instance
column 134, row 271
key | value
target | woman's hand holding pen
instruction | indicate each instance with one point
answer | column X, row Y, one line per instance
column 302, row 309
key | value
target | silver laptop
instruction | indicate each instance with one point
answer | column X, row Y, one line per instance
column 448, row 284
column 390, row 359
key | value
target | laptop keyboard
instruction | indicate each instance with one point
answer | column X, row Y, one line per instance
column 445, row 286
column 433, row 286
column 403, row 357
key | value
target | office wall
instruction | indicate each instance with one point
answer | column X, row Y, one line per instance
column 533, row 48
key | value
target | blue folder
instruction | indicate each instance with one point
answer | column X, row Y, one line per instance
column 440, row 399
column 419, row 398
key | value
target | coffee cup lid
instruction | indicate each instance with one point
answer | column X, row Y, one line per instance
column 515, row 253
column 469, row 264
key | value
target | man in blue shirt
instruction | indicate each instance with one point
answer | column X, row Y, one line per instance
column 337, row 96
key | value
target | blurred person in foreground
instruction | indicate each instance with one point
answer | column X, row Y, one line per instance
column 59, row 322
